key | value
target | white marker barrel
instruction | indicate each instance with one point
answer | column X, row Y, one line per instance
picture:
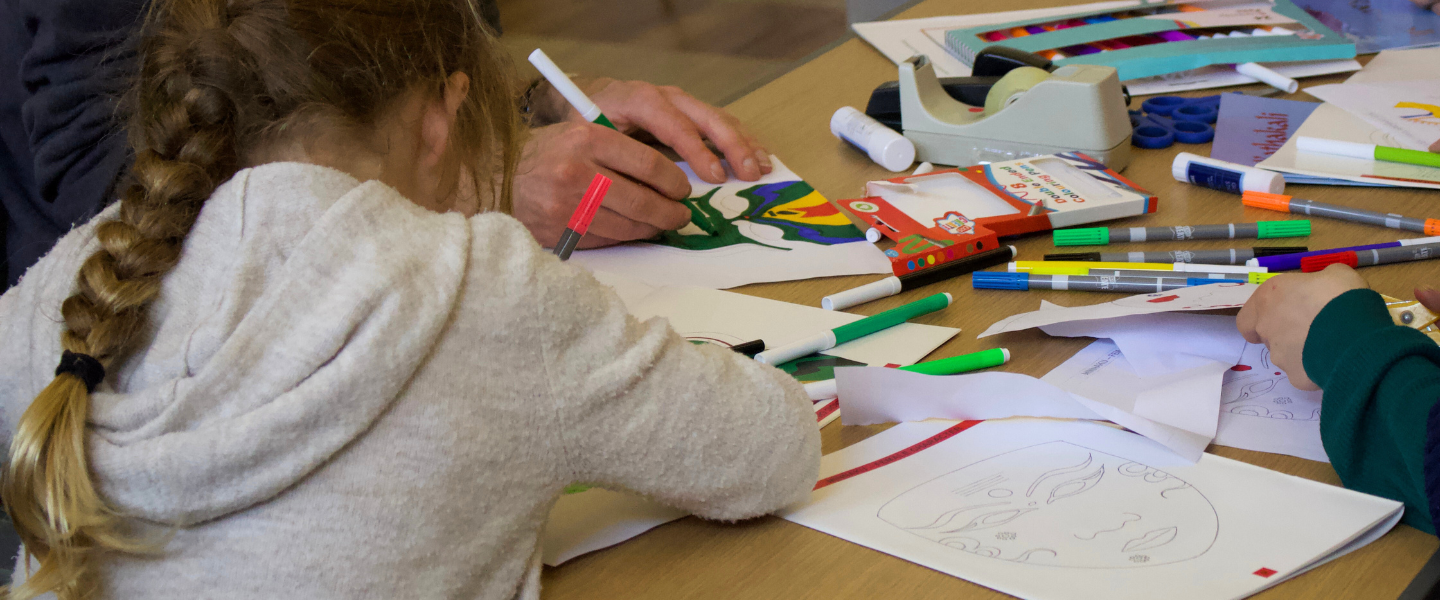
column 804, row 347
column 1313, row 145
column 561, row 82
column 821, row 390
column 1268, row 76
column 888, row 286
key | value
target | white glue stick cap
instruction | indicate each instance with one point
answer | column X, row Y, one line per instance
column 886, row 287
column 872, row 235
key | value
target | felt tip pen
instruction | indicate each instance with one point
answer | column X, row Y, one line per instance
column 1370, row 258
column 984, row 359
column 1312, row 208
column 750, row 348
column 1101, row 236
column 851, row 331
column 1138, row 273
column 992, row 280
column 1233, row 256
column 1290, row 262
column 1312, row 145
column 892, row 285
column 584, row 214
column 561, row 82
column 1047, row 267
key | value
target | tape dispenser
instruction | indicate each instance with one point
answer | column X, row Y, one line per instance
column 1027, row 112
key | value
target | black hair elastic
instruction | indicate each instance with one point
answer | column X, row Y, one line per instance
column 83, row 366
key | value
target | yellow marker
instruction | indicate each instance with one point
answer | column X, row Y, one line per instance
column 1063, row 267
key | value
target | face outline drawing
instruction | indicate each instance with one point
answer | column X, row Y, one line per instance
column 1255, row 387
column 1058, row 504
column 782, row 215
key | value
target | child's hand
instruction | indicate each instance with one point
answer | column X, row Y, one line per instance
column 1280, row 313
column 1430, row 4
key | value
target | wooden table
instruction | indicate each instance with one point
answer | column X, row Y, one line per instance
column 772, row 558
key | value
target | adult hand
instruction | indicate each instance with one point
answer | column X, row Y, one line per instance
column 1281, row 311
column 681, row 122
column 1430, row 4
column 560, row 160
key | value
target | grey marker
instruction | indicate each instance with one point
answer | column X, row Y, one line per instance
column 1332, row 211
column 1100, row 236
column 1397, row 254
column 991, row 280
column 1236, row 256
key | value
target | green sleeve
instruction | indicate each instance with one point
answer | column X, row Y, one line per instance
column 1381, row 381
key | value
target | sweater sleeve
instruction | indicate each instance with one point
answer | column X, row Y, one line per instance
column 1378, row 420
column 640, row 408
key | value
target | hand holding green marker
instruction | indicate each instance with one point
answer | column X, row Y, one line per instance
column 557, row 78
column 984, row 359
column 851, row 331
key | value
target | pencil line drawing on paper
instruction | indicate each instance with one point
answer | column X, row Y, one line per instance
column 1058, row 504
column 1255, row 387
column 784, row 215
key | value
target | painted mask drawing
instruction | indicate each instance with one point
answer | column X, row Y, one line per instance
column 1058, row 504
column 778, row 228
column 780, row 215
column 1255, row 387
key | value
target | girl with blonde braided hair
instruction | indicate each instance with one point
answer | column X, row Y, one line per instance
column 309, row 355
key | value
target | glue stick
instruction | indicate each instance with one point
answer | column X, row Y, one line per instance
column 887, row 148
column 1225, row 176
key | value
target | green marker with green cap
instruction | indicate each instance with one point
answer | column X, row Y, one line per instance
column 1101, row 236
column 852, row 331
column 984, row 359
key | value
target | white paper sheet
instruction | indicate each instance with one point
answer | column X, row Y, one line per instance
column 1261, row 411
column 1178, row 411
column 1241, row 400
column 1404, row 110
column 728, row 318
column 871, row 395
column 1201, row 297
column 901, row 39
column 758, row 250
column 598, row 518
column 1334, row 123
column 1077, row 510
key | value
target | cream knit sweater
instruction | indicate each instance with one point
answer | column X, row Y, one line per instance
column 343, row 395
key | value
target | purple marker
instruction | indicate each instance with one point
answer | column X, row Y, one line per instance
column 1291, row 262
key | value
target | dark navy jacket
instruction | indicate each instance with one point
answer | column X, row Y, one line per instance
column 63, row 66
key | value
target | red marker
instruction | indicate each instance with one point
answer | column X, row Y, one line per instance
column 580, row 221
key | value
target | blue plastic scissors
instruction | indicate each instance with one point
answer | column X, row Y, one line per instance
column 1164, row 120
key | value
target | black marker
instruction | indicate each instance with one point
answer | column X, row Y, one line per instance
column 892, row 285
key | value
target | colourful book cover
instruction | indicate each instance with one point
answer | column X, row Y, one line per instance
column 953, row 213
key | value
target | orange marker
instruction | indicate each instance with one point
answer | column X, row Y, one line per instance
column 1281, row 203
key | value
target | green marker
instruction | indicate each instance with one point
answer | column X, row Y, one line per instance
column 1367, row 151
column 852, row 331
column 984, row 359
column 568, row 89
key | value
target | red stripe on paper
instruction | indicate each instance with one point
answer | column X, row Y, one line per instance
column 827, row 410
column 896, row 457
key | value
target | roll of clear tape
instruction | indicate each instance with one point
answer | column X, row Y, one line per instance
column 1013, row 85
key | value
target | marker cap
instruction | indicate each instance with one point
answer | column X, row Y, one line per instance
column 1259, row 278
column 995, row 280
column 1266, row 201
column 1281, row 229
column 1277, row 251
column 1194, row 281
column 1311, row 264
column 1090, row 236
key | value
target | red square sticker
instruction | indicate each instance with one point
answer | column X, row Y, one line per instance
column 1264, row 572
